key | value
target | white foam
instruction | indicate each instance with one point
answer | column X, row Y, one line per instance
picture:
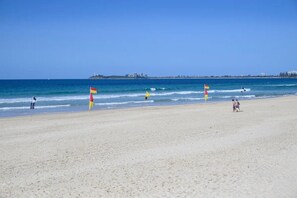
column 281, row 85
column 246, row 96
column 108, row 96
column 66, row 98
column 13, row 108
column 242, row 96
column 118, row 96
column 43, row 99
column 36, row 107
column 178, row 99
column 225, row 96
column 263, row 97
column 176, row 93
column 123, row 103
column 230, row 90
column 152, row 94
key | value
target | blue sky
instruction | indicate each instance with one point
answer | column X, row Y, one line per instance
column 74, row 39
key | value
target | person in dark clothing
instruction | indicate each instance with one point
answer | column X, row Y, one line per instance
column 32, row 105
column 234, row 105
column 237, row 105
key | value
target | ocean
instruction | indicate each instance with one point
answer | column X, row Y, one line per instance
column 73, row 95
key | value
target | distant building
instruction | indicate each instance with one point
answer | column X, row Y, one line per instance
column 288, row 74
column 136, row 75
column 292, row 72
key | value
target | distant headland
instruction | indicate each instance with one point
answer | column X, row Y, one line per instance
column 127, row 76
column 289, row 74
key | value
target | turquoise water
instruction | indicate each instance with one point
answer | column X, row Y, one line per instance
column 73, row 95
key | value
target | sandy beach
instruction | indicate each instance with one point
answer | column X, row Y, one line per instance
column 199, row 150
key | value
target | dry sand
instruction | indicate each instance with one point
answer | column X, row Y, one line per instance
column 200, row 150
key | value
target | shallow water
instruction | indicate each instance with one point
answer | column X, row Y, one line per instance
column 73, row 95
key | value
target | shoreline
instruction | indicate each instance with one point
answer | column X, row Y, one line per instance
column 137, row 107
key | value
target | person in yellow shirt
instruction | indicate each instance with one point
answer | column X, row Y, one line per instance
column 147, row 95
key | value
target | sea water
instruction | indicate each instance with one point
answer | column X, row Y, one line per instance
column 73, row 95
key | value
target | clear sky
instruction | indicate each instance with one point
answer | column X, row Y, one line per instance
column 76, row 38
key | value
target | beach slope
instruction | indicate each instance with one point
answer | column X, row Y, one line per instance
column 199, row 150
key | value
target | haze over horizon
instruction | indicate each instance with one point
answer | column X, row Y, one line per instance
column 75, row 39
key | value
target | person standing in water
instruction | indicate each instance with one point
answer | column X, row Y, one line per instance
column 32, row 106
column 242, row 89
column 147, row 95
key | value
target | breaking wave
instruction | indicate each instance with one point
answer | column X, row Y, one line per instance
column 36, row 107
column 110, row 96
column 192, row 99
column 243, row 96
column 123, row 103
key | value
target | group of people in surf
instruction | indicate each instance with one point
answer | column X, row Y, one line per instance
column 236, row 104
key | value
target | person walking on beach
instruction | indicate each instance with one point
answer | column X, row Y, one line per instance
column 234, row 105
column 32, row 105
column 237, row 105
